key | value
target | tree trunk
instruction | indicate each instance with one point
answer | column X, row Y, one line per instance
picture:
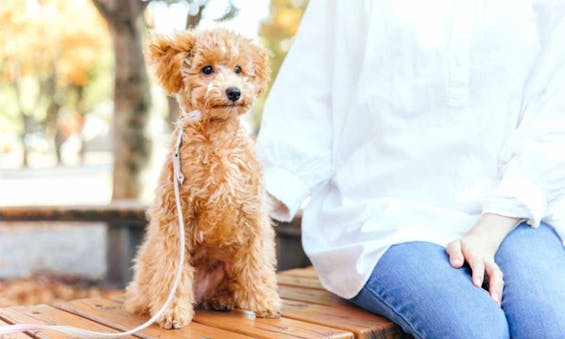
column 59, row 139
column 82, row 111
column 25, row 151
column 52, row 115
column 28, row 122
column 52, row 126
column 131, row 95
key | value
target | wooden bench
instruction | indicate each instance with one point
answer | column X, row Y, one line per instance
column 126, row 226
column 125, row 219
column 308, row 312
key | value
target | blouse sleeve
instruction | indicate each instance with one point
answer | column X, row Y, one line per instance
column 294, row 142
column 533, row 158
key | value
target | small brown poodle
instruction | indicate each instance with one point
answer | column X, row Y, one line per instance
column 216, row 76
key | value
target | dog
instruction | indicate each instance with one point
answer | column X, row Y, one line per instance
column 216, row 75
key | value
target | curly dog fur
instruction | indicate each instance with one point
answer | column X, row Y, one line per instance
column 229, row 239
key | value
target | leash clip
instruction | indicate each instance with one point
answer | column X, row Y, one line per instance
column 176, row 160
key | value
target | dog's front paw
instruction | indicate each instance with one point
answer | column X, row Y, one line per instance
column 176, row 317
column 269, row 308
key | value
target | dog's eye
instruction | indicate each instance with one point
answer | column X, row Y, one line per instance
column 237, row 69
column 207, row 70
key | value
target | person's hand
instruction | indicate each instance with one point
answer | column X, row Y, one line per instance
column 478, row 251
column 478, row 248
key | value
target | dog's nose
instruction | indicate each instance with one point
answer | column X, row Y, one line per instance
column 233, row 93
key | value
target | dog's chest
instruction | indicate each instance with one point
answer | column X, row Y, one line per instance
column 229, row 173
column 226, row 193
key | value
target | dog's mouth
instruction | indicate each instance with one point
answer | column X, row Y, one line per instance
column 228, row 105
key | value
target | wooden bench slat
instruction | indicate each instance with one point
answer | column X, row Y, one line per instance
column 291, row 288
column 307, row 272
column 268, row 328
column 124, row 210
column 305, row 282
column 308, row 311
column 310, row 295
column 47, row 315
column 325, row 298
column 112, row 313
column 14, row 335
column 237, row 322
column 362, row 323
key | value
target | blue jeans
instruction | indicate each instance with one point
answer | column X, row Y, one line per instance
column 414, row 286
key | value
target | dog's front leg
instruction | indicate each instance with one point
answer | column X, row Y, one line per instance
column 255, row 281
column 155, row 271
column 181, row 310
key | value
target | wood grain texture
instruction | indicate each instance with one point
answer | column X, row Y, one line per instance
column 268, row 328
column 363, row 324
column 12, row 336
column 112, row 314
column 308, row 311
column 310, row 295
column 306, row 272
column 304, row 282
column 129, row 211
column 48, row 315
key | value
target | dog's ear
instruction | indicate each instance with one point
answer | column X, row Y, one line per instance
column 167, row 54
column 262, row 71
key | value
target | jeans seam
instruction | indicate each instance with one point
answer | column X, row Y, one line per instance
column 393, row 309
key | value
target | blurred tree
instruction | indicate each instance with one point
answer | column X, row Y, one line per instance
column 131, row 94
column 44, row 54
column 280, row 27
column 277, row 32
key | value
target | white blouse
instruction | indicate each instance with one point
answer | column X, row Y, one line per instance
column 405, row 120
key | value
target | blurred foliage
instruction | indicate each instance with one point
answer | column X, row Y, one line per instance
column 51, row 35
column 279, row 29
column 51, row 54
column 276, row 33
column 56, row 59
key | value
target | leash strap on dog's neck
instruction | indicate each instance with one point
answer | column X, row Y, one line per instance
column 178, row 179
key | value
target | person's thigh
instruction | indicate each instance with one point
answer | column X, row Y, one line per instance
column 533, row 264
column 414, row 286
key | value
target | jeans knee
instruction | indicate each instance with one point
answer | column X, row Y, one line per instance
column 492, row 327
column 537, row 320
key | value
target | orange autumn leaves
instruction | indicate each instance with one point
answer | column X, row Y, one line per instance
column 60, row 36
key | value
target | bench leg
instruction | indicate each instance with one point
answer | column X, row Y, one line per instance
column 121, row 246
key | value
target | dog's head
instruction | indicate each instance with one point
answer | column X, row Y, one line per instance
column 218, row 72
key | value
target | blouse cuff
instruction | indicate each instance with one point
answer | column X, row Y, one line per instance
column 517, row 196
column 288, row 188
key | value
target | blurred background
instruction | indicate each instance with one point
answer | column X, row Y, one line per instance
column 83, row 122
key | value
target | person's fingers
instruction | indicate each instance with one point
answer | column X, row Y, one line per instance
column 478, row 270
column 455, row 254
column 496, row 281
